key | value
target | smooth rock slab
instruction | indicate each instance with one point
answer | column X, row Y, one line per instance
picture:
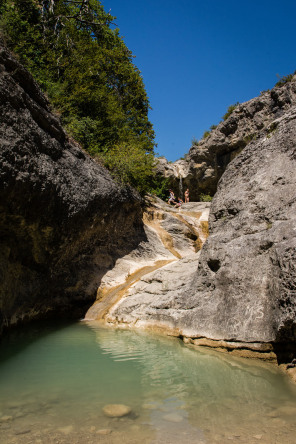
column 116, row 410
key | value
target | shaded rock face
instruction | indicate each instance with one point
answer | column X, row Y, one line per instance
column 63, row 220
column 207, row 161
column 243, row 289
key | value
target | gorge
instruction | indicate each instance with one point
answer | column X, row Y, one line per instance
column 68, row 229
column 141, row 274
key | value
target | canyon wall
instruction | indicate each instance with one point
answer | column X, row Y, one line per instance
column 242, row 293
column 63, row 220
column 207, row 159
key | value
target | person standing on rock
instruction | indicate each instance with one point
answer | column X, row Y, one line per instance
column 186, row 194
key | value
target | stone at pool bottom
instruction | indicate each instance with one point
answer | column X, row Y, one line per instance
column 116, row 410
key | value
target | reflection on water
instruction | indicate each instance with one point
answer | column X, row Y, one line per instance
column 54, row 384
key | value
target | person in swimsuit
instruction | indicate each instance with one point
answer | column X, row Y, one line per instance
column 186, row 195
column 179, row 202
column 172, row 199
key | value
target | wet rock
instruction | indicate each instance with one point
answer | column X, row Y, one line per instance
column 116, row 410
column 292, row 373
column 22, row 431
column 6, row 418
column 286, row 410
column 173, row 417
column 66, row 430
column 104, row 432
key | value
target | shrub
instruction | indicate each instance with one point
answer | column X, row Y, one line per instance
column 205, row 197
column 230, row 110
column 285, row 79
column 212, row 127
column 130, row 164
column 206, row 134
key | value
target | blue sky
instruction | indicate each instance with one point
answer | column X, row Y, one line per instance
column 197, row 57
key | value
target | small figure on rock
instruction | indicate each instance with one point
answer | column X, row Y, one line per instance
column 186, row 194
column 172, row 199
column 179, row 202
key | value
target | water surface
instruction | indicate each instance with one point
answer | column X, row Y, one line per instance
column 54, row 383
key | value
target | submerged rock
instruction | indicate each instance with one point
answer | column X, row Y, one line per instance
column 116, row 410
column 104, row 432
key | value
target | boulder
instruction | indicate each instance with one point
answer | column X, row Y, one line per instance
column 116, row 410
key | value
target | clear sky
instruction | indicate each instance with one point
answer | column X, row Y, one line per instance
column 197, row 57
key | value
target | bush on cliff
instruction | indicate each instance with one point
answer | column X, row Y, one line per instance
column 230, row 110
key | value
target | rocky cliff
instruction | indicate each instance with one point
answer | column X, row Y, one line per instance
column 63, row 220
column 241, row 293
column 208, row 159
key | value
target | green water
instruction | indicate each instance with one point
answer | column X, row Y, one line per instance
column 54, row 383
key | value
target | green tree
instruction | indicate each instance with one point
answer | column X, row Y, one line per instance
column 84, row 66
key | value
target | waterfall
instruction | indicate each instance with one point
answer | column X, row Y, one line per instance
column 181, row 188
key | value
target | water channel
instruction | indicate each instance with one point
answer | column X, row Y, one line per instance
column 55, row 381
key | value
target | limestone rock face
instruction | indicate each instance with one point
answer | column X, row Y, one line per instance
column 244, row 286
column 63, row 220
column 206, row 161
column 159, row 265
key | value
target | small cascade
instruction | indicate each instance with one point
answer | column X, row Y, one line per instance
column 181, row 187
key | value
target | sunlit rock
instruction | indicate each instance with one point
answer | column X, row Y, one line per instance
column 208, row 158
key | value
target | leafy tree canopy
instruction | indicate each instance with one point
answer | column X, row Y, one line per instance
column 79, row 59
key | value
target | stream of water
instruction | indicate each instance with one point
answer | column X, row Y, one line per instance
column 55, row 381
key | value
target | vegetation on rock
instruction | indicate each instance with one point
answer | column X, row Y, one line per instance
column 205, row 197
column 285, row 79
column 230, row 110
column 82, row 63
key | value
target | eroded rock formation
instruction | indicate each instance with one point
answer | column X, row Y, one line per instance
column 160, row 263
column 242, row 294
column 208, row 159
column 63, row 220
